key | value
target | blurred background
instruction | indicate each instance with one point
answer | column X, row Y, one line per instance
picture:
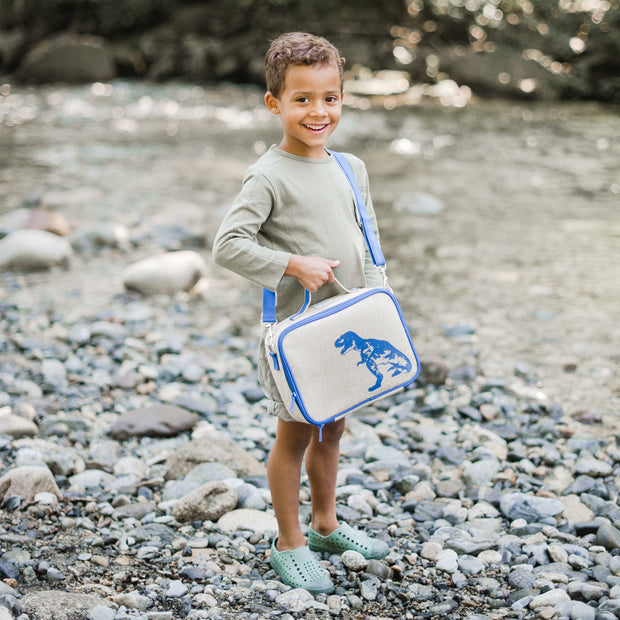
column 490, row 130
column 543, row 49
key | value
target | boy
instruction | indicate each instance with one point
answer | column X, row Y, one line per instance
column 294, row 226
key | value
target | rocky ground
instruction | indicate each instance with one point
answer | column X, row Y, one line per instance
column 133, row 435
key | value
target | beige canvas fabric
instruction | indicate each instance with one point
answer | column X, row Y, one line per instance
column 343, row 360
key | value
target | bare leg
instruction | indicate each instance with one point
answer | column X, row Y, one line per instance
column 284, row 474
column 322, row 468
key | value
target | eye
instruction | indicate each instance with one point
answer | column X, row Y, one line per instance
column 332, row 99
column 302, row 99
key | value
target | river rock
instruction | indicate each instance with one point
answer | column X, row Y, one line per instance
column 354, row 560
column 40, row 219
column 166, row 273
column 206, row 503
column 552, row 598
column 480, row 473
column 575, row 510
column 31, row 249
column 15, row 426
column 608, row 536
column 529, row 507
column 295, row 600
column 588, row 465
column 154, row 421
column 68, row 58
column 212, row 448
column 27, row 482
column 247, row 519
column 59, row 605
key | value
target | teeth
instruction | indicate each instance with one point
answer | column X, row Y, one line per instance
column 316, row 127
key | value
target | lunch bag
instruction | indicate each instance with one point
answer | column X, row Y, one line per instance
column 342, row 353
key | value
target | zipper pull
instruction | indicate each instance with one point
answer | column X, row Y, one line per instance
column 274, row 358
column 292, row 408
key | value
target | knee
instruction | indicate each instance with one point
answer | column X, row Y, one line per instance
column 332, row 432
column 292, row 438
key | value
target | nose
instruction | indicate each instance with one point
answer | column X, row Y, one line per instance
column 318, row 109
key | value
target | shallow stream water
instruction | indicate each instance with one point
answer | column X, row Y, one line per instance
column 500, row 220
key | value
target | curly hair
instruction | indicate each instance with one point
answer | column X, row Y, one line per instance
column 297, row 48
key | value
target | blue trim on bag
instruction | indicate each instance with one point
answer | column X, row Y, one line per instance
column 269, row 306
column 305, row 306
column 296, row 397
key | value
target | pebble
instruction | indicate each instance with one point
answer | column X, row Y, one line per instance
column 354, row 561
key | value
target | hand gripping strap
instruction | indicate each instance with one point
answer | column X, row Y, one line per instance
column 269, row 297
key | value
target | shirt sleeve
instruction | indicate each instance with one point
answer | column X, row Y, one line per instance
column 236, row 245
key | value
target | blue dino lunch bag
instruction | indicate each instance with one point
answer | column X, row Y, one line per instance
column 338, row 355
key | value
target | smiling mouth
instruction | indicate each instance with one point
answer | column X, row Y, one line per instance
column 316, row 127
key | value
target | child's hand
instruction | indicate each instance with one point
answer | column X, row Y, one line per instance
column 311, row 271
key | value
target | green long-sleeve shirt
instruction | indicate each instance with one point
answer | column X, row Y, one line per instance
column 296, row 205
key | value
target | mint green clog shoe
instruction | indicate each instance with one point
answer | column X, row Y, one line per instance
column 300, row 569
column 345, row 538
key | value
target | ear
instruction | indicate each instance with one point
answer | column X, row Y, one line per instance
column 271, row 101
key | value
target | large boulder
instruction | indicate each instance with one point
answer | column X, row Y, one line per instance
column 154, row 421
column 165, row 274
column 206, row 503
column 31, row 249
column 212, row 448
column 27, row 482
column 68, row 58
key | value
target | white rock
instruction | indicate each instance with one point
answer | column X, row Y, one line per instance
column 448, row 561
column 17, row 427
column 295, row 600
column 176, row 589
column 30, row 249
column 354, row 560
column 575, row 510
column 27, row 482
column 130, row 465
column 480, row 473
column 133, row 600
column 490, row 556
column 165, row 274
column 552, row 598
column 46, row 498
column 101, row 612
column 247, row 519
column 431, row 550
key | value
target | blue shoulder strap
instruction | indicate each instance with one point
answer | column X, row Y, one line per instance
column 371, row 239
column 269, row 297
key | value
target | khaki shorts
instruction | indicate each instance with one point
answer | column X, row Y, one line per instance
column 276, row 407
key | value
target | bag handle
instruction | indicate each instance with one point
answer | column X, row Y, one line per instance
column 269, row 297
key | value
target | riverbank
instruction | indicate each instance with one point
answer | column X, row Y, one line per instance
column 494, row 479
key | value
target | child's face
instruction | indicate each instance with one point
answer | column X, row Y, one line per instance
column 309, row 106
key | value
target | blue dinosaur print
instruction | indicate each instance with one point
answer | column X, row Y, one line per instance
column 374, row 353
